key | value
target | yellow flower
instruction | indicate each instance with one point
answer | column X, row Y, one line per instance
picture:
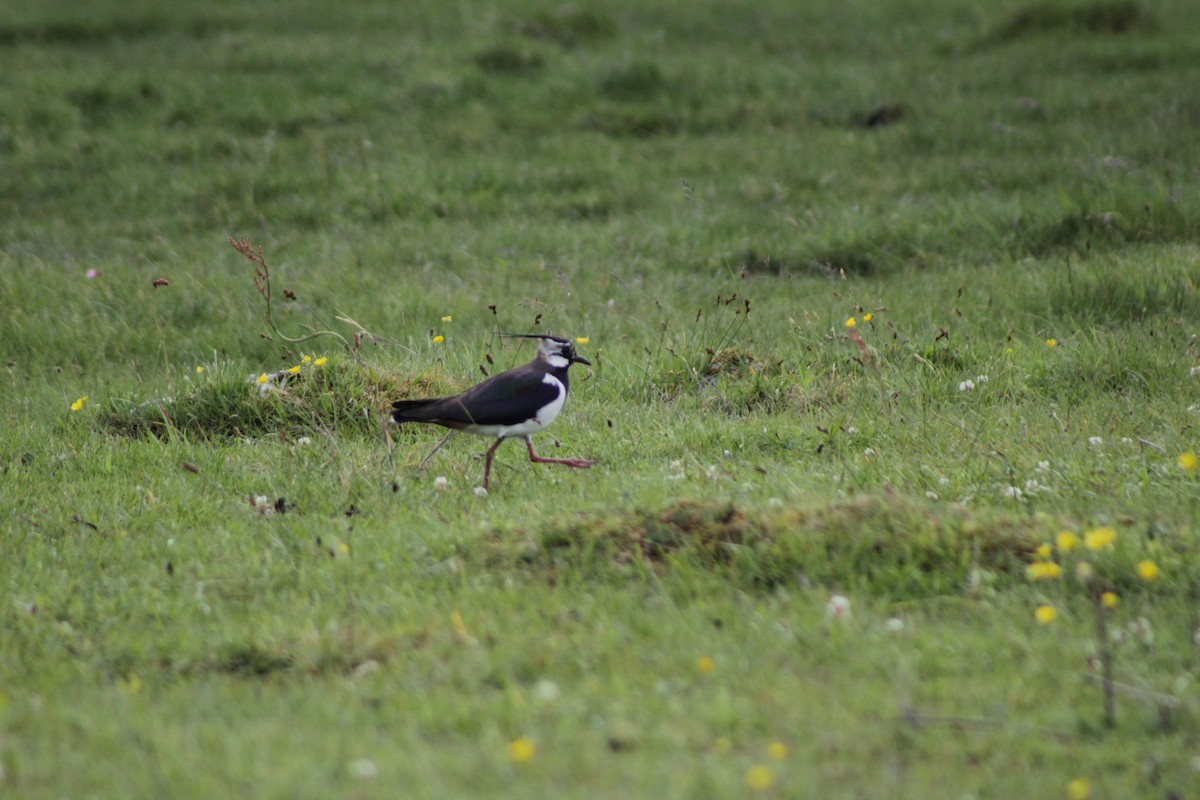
column 1066, row 541
column 777, row 751
column 760, row 777
column 581, row 340
column 850, row 323
column 131, row 685
column 1051, row 342
column 294, row 369
column 1079, row 789
column 1147, row 570
column 521, row 750
column 1099, row 538
column 439, row 339
column 868, row 317
column 1109, row 599
column 447, row 318
column 320, row 362
column 262, row 378
column 1045, row 614
column 344, row 548
column 199, row 370
column 722, row 745
column 1043, row 570
column 78, row 404
column 1188, row 461
column 1043, row 551
column 305, row 359
column 705, row 664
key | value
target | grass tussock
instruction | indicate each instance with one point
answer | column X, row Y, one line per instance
column 568, row 26
column 874, row 543
column 1098, row 17
column 347, row 397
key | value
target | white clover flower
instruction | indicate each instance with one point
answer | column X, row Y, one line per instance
column 838, row 607
column 1126, row 440
column 1043, row 466
column 480, row 491
column 546, row 691
column 894, row 625
column 304, row 441
column 262, row 504
column 981, row 379
column 852, row 430
column 676, row 471
column 1095, row 441
column 967, row 386
column 1142, row 630
column 869, row 452
column 440, row 483
column 932, row 495
column 1013, row 492
column 1194, row 371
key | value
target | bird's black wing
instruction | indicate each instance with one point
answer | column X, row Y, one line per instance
column 506, row 399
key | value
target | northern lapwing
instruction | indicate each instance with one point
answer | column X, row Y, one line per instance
column 516, row 403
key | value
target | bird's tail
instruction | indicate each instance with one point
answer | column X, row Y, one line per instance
column 414, row 410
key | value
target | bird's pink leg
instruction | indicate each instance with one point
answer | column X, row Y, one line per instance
column 487, row 462
column 578, row 463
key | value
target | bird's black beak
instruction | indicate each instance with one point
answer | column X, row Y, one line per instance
column 580, row 360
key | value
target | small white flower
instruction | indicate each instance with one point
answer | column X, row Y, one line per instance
column 981, row 379
column 943, row 480
column 480, row 491
column 546, row 691
column 727, row 453
column 967, row 386
column 1033, row 487
column 1043, row 466
column 1194, row 371
column 304, row 441
column 932, row 495
column 262, row 504
column 364, row 768
column 774, row 502
column 1013, row 492
column 869, row 452
column 675, row 471
column 1142, row 630
column 1193, row 407
column 894, row 625
column 1126, row 440
column 440, row 483
column 1095, row 441
column 852, row 430
column 838, row 606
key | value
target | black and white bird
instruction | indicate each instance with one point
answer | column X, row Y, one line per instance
column 516, row 403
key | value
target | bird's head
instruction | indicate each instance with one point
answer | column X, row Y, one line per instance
column 557, row 352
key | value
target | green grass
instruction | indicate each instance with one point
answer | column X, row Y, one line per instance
column 212, row 590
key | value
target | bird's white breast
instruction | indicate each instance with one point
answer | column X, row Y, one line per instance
column 548, row 413
column 545, row 415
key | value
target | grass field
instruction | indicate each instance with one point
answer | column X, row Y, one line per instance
column 887, row 302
